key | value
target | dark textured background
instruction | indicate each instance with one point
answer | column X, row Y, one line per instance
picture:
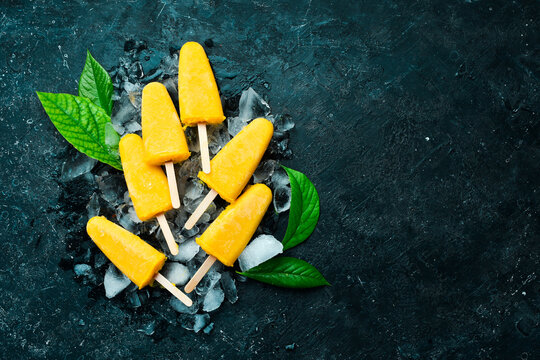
column 417, row 121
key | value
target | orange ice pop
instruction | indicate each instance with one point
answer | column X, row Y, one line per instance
column 233, row 166
column 229, row 234
column 198, row 95
column 163, row 136
column 147, row 186
column 139, row 261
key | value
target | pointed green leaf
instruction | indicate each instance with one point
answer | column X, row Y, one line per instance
column 304, row 212
column 96, row 84
column 287, row 272
column 83, row 124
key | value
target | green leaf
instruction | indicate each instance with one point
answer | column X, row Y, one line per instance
column 96, row 84
column 83, row 124
column 304, row 212
column 287, row 272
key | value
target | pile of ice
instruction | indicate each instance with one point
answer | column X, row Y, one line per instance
column 138, row 67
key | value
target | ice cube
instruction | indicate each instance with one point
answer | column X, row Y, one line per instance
column 123, row 112
column 83, row 270
column 260, row 249
column 204, row 219
column 229, row 287
column 112, row 188
column 92, row 208
column 280, row 179
column 191, row 204
column 99, row 260
column 235, row 124
column 283, row 123
column 189, row 168
column 207, row 330
column 213, row 299
column 252, row 105
column 77, row 165
column 114, row 281
column 127, row 218
column 176, row 273
column 201, row 320
column 194, row 322
column 208, row 282
column 218, row 137
column 134, row 92
column 187, row 251
column 282, row 199
column 172, row 87
column 149, row 328
column 264, row 171
column 182, row 308
column 191, row 232
column 169, row 65
column 194, row 190
column 134, row 299
column 132, row 127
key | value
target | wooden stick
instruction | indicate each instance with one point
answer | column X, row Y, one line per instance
column 203, row 145
column 164, row 225
column 173, row 289
column 205, row 203
column 173, row 188
column 196, row 279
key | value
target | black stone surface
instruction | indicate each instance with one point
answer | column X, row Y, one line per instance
column 417, row 121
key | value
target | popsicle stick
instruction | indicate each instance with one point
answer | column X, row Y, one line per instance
column 203, row 145
column 173, row 289
column 173, row 188
column 173, row 246
column 196, row 279
column 200, row 209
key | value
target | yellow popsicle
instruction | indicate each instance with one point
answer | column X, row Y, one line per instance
column 147, row 184
column 139, row 261
column 198, row 93
column 228, row 235
column 163, row 137
column 233, row 166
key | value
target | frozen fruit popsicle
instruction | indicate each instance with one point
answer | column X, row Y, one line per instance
column 233, row 166
column 147, row 186
column 228, row 235
column 198, row 95
column 163, row 137
column 139, row 261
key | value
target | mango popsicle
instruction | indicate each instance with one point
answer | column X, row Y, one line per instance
column 139, row 261
column 147, row 186
column 198, row 95
column 163, row 137
column 233, row 166
column 229, row 234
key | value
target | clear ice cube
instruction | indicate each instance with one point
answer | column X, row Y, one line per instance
column 112, row 188
column 77, row 165
column 176, row 273
column 213, row 299
column 82, row 270
column 229, row 287
column 260, row 249
column 93, row 208
column 187, row 251
column 252, row 105
column 182, row 308
column 208, row 282
column 264, row 171
column 282, row 199
column 115, row 282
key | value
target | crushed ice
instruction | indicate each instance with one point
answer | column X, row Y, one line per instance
column 139, row 66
